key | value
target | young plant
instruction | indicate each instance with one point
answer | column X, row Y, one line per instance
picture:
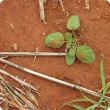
column 102, row 103
column 82, row 52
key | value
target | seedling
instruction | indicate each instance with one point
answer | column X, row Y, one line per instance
column 102, row 103
column 82, row 52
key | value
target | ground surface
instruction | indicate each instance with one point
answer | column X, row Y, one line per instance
column 28, row 34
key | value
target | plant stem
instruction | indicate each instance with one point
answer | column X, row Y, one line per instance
column 103, row 88
column 65, row 41
column 70, row 42
column 74, row 34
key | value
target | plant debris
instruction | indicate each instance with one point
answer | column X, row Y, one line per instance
column 86, row 5
column 14, row 46
column 11, row 97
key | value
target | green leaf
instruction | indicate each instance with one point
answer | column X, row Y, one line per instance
column 68, row 36
column 102, row 73
column 78, row 107
column 93, row 106
column 108, row 92
column 54, row 40
column 68, row 103
column 85, row 54
column 73, row 23
column 89, row 108
column 72, row 51
column 105, row 89
column 94, row 102
column 70, row 59
column 68, row 45
column 109, row 103
column 103, row 107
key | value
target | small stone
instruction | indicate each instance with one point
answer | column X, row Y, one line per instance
column 79, row 1
column 12, row 26
column 77, row 95
column 46, row 101
column 59, row 99
column 92, row 82
column 44, row 34
column 57, row 22
column 90, row 28
column 67, row 13
column 60, row 29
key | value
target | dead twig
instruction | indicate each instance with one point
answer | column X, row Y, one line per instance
column 20, row 81
column 53, row 79
column 12, row 103
column 41, row 8
column 11, row 94
column 86, row 5
column 31, row 54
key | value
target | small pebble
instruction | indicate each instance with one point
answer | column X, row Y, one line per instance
column 92, row 81
column 84, row 77
column 12, row 26
column 79, row 1
column 77, row 95
column 46, row 101
column 43, row 33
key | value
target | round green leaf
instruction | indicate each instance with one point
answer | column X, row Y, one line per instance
column 68, row 36
column 85, row 54
column 54, row 40
column 68, row 45
column 70, row 59
column 73, row 23
column 72, row 51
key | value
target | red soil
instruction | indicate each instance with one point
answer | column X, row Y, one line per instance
column 28, row 34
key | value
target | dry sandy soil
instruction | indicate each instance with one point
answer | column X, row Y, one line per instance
column 28, row 34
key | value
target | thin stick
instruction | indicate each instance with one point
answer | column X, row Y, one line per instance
column 18, row 80
column 41, row 8
column 31, row 54
column 53, row 79
column 13, row 104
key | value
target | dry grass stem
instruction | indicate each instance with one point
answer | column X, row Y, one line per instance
column 12, row 103
column 53, row 79
column 31, row 54
column 20, row 81
column 10, row 96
